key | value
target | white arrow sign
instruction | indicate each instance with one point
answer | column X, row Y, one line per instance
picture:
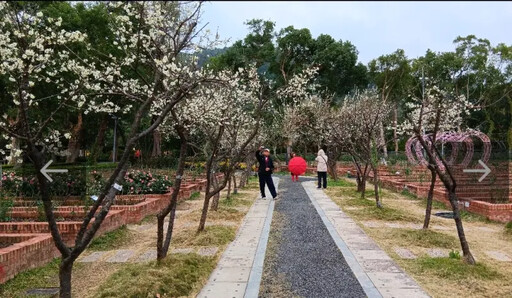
column 485, row 170
column 45, row 170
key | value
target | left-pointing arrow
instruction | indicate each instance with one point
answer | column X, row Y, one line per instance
column 45, row 171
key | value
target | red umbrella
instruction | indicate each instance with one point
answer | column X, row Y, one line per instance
column 297, row 165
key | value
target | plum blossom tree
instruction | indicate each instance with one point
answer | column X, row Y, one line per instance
column 198, row 116
column 300, row 90
column 356, row 131
column 150, row 75
column 308, row 123
column 230, row 121
column 439, row 110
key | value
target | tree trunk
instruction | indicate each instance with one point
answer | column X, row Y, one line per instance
column 395, row 124
column 74, row 141
column 204, row 213
column 100, row 138
column 65, row 271
column 468, row 257
column 229, row 189
column 363, row 187
column 216, row 197
column 163, row 244
column 15, row 145
column 383, row 141
column 450, row 185
column 428, row 210
column 235, row 188
column 242, row 180
column 332, row 163
column 288, row 152
column 359, row 182
column 361, row 177
column 376, row 186
column 157, row 143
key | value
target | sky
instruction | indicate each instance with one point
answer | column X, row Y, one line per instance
column 375, row 28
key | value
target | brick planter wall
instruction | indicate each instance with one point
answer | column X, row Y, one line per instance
column 497, row 212
column 68, row 229
column 151, row 206
column 28, row 251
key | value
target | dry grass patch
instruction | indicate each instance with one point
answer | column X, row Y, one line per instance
column 453, row 269
column 274, row 283
column 211, row 236
column 176, row 276
column 423, row 238
column 368, row 211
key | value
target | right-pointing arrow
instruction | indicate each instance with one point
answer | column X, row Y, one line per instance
column 485, row 170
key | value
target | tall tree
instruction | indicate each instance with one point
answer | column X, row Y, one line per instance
column 391, row 74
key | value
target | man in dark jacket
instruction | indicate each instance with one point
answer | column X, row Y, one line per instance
column 265, row 168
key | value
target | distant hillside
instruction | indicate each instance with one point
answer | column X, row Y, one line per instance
column 208, row 53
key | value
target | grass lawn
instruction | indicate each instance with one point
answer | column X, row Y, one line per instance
column 112, row 240
column 440, row 277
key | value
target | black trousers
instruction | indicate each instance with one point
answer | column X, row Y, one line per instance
column 267, row 179
column 322, row 177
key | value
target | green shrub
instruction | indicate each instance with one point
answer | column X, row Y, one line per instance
column 5, row 208
column 24, row 184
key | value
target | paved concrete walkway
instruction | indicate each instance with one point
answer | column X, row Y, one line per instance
column 239, row 271
column 374, row 269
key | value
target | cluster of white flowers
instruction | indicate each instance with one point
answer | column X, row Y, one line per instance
column 309, row 120
column 451, row 109
column 36, row 53
column 300, row 87
column 355, row 124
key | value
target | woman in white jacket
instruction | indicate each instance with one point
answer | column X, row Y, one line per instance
column 321, row 168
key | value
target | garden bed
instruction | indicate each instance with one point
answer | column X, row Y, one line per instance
column 26, row 242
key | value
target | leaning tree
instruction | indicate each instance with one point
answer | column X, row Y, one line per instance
column 439, row 110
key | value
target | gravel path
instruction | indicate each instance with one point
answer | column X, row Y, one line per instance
column 304, row 257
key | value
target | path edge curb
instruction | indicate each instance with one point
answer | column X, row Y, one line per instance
column 363, row 279
column 253, row 285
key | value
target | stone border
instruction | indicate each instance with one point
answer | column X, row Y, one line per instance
column 253, row 286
